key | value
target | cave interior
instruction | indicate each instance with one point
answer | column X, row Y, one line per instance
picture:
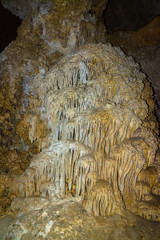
column 79, row 119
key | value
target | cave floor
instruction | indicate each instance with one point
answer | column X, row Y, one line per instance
column 43, row 218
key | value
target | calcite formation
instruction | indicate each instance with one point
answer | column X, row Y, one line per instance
column 100, row 144
column 48, row 31
column 77, row 123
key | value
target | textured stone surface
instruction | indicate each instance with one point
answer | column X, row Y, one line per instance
column 20, row 8
column 78, row 131
column 144, row 46
column 67, row 219
column 102, row 145
column 46, row 34
column 42, row 39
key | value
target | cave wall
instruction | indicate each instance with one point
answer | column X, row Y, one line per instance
column 144, row 46
column 123, row 15
column 20, row 8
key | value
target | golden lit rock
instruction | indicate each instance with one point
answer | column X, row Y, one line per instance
column 97, row 137
column 79, row 139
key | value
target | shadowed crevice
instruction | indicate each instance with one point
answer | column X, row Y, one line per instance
column 9, row 24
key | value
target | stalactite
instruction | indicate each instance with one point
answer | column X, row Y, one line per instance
column 99, row 145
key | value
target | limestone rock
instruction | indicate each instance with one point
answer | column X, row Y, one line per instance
column 42, row 39
column 156, row 188
column 82, row 114
column 48, row 31
column 68, row 220
column 20, row 8
column 22, row 206
column 96, row 113
column 143, row 45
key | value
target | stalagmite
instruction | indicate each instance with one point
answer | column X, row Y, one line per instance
column 99, row 146
column 101, row 200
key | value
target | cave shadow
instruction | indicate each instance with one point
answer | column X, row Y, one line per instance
column 9, row 24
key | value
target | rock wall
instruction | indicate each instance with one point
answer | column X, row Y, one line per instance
column 123, row 15
column 144, row 46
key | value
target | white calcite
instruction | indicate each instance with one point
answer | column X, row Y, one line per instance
column 98, row 144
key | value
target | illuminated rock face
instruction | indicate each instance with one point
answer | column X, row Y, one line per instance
column 49, row 30
column 96, row 104
column 86, row 111
column 43, row 37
